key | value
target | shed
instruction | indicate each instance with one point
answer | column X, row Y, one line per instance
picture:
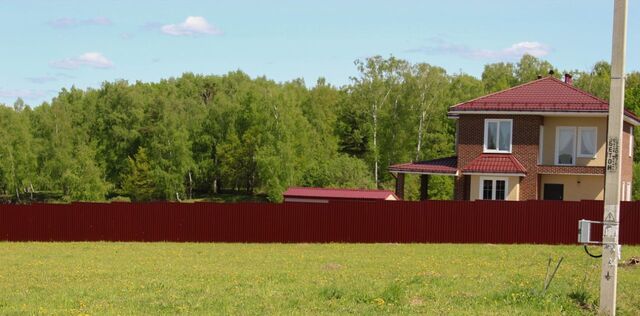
column 325, row 195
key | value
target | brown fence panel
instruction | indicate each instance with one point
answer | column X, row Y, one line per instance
column 532, row 222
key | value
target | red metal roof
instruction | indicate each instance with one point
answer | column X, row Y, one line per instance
column 495, row 163
column 447, row 165
column 327, row 193
column 543, row 95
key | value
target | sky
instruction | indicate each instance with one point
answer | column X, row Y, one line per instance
column 50, row 45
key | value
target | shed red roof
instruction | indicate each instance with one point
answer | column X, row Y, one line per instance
column 339, row 193
column 495, row 163
column 447, row 165
column 543, row 95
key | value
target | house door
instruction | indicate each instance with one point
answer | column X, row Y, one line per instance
column 553, row 191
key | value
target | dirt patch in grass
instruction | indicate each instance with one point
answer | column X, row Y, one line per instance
column 332, row 266
column 416, row 301
column 631, row 262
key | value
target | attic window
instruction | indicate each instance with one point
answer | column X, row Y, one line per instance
column 497, row 135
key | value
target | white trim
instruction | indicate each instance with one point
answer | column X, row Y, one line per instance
column 309, row 200
column 630, row 142
column 426, row 172
column 486, row 129
column 628, row 189
column 570, row 174
column 631, row 121
column 555, row 156
column 542, row 113
column 595, row 150
column 455, row 147
column 627, row 119
column 494, row 174
column 493, row 187
column 541, row 145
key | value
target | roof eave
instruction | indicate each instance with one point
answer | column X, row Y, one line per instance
column 488, row 173
column 627, row 117
column 435, row 173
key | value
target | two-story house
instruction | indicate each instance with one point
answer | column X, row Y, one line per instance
column 544, row 139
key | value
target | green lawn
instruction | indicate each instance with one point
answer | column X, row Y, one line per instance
column 172, row 278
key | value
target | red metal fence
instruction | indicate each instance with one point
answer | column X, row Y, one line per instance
column 536, row 222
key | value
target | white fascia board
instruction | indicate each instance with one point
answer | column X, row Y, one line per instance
column 427, row 172
column 306, row 200
column 494, row 174
column 631, row 121
column 541, row 113
column 456, row 114
column 570, row 174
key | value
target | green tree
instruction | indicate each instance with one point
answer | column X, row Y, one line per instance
column 530, row 67
column 498, row 76
column 139, row 184
column 17, row 159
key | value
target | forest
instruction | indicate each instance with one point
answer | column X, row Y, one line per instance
column 196, row 137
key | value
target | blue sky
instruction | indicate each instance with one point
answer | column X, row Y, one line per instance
column 48, row 45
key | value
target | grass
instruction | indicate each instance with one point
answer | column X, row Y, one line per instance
column 173, row 278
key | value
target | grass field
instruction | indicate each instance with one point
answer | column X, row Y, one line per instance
column 171, row 278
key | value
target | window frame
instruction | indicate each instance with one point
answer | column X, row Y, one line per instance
column 579, row 142
column 555, row 155
column 486, row 136
column 493, row 188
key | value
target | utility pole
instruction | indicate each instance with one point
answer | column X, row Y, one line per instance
column 610, row 249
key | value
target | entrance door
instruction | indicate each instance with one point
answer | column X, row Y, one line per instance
column 553, row 191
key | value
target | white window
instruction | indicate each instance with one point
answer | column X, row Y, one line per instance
column 565, row 145
column 631, row 141
column 497, row 136
column 587, row 137
column 541, row 146
column 493, row 188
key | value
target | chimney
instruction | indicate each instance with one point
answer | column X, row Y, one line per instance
column 568, row 79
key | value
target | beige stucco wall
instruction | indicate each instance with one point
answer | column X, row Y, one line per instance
column 552, row 122
column 513, row 189
column 576, row 188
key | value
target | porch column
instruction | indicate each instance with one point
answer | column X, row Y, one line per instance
column 424, row 187
column 400, row 186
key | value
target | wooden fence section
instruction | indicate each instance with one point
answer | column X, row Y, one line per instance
column 535, row 222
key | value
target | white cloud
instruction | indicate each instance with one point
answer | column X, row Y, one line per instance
column 62, row 23
column 21, row 93
column 512, row 52
column 516, row 50
column 193, row 25
column 91, row 59
column 42, row 79
column 49, row 78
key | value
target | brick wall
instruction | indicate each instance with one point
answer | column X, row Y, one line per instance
column 586, row 170
column 526, row 131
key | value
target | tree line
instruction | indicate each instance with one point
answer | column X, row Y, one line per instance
column 198, row 136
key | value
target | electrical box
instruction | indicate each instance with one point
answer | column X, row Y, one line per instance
column 584, row 231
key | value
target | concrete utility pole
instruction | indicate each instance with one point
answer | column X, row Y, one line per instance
column 609, row 277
